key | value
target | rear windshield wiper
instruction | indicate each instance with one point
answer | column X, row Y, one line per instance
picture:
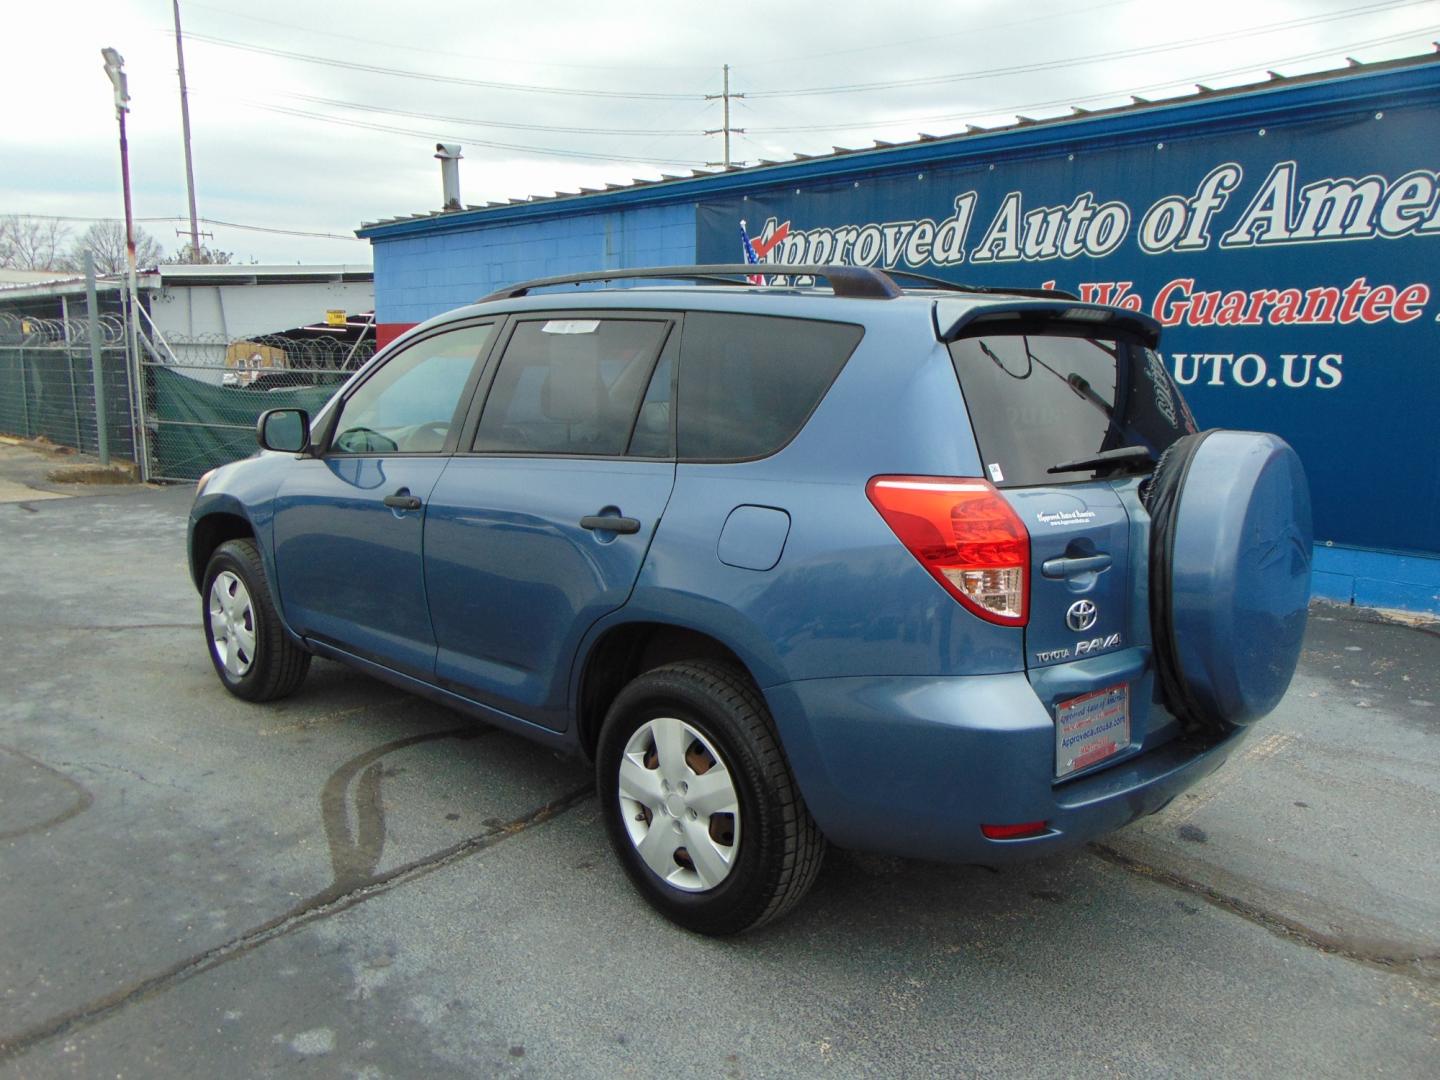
column 1124, row 457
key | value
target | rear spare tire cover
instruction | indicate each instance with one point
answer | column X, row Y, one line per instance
column 1230, row 555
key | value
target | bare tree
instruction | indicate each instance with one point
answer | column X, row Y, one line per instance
column 106, row 241
column 28, row 243
column 206, row 256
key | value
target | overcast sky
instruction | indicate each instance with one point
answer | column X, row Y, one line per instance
column 280, row 140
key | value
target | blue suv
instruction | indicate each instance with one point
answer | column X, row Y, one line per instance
column 940, row 572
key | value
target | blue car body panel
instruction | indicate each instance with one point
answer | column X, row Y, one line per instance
column 881, row 614
column 913, row 766
column 349, row 567
column 907, row 720
column 513, row 580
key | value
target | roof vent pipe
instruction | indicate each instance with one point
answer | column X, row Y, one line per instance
column 449, row 157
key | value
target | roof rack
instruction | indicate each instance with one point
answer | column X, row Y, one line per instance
column 860, row 282
column 1000, row 290
column 856, row 282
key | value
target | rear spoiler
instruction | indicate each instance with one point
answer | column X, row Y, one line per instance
column 958, row 318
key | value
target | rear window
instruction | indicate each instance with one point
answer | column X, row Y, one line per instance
column 749, row 382
column 1037, row 400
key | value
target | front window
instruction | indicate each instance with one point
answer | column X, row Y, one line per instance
column 409, row 405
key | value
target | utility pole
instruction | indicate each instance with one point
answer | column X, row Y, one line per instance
column 725, row 129
column 115, row 69
column 185, row 130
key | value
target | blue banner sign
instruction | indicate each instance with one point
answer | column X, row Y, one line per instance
column 1294, row 269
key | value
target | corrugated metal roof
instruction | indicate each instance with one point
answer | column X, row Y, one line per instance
column 185, row 276
column 30, row 277
column 1136, row 104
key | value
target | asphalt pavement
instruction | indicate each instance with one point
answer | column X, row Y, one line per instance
column 354, row 882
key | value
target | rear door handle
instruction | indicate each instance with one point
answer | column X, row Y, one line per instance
column 1068, row 568
column 622, row 525
column 402, row 500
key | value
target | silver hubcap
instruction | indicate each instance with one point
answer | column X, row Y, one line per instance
column 679, row 806
column 232, row 623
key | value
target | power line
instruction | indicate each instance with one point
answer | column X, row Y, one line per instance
column 427, row 76
column 390, row 45
column 445, row 137
column 203, row 220
column 282, row 232
column 968, row 32
column 508, row 125
column 1119, row 54
column 1073, row 100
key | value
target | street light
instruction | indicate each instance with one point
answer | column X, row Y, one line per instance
column 115, row 69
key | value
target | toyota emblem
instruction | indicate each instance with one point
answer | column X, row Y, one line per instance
column 1081, row 616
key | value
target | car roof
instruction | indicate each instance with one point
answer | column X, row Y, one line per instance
column 792, row 302
column 858, row 295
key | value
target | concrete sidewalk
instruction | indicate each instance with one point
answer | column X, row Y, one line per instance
column 29, row 469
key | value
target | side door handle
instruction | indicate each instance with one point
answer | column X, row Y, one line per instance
column 1074, row 567
column 622, row 525
column 402, row 500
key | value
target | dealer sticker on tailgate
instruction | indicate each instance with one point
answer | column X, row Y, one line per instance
column 1091, row 728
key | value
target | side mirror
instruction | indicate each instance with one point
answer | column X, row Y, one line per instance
column 286, row 430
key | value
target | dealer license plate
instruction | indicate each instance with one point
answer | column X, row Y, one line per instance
column 1091, row 728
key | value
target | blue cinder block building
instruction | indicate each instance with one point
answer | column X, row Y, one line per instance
column 1286, row 233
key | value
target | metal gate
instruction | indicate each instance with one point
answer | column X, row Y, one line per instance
column 203, row 395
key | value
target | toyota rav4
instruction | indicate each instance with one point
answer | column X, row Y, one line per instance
column 938, row 572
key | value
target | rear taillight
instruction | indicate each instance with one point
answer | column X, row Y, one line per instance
column 966, row 535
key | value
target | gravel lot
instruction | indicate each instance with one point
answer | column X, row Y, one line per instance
column 356, row 882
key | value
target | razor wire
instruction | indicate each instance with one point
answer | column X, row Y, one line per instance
column 270, row 351
column 34, row 332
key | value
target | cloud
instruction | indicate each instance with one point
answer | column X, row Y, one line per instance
column 258, row 166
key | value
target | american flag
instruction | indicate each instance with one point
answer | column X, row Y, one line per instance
column 750, row 256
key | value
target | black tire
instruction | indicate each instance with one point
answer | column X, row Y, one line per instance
column 276, row 666
column 778, row 846
column 1161, row 495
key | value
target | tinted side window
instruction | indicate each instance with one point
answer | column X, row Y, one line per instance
column 748, row 382
column 409, row 404
column 570, row 386
column 1038, row 400
column 653, row 427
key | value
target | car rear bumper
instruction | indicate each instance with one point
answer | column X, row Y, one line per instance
column 914, row 767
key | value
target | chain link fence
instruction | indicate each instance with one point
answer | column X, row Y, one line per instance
column 203, row 395
column 47, row 383
column 200, row 396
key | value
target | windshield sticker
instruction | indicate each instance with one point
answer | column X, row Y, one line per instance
column 571, row 326
column 995, row 474
column 1065, row 517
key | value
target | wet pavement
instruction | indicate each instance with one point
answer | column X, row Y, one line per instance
column 354, row 882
